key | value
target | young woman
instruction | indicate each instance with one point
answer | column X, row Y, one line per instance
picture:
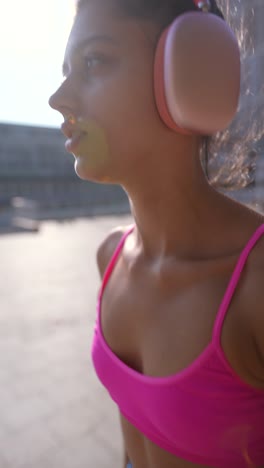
column 179, row 340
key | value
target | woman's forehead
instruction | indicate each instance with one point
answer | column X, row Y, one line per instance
column 100, row 19
column 95, row 18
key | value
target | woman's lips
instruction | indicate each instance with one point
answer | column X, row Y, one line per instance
column 73, row 135
column 72, row 143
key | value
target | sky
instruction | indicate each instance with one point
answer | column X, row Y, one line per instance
column 33, row 36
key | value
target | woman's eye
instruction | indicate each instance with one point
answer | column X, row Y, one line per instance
column 91, row 62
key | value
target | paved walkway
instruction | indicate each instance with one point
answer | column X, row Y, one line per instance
column 53, row 411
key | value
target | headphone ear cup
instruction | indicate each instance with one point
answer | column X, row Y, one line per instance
column 159, row 87
column 197, row 74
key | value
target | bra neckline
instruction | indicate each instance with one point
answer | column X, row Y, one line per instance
column 210, row 348
column 149, row 378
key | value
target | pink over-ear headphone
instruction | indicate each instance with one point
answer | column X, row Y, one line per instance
column 197, row 73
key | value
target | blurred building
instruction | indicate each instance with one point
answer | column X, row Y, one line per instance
column 35, row 166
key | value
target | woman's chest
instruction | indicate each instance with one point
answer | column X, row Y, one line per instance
column 161, row 331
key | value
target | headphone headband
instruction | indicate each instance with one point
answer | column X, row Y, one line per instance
column 204, row 5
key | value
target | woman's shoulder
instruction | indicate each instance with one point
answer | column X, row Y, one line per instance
column 108, row 246
column 253, row 271
column 252, row 304
column 252, row 225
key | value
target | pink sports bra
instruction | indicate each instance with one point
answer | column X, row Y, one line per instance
column 206, row 413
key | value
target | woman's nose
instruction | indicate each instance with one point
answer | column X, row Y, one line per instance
column 53, row 101
column 62, row 99
column 56, row 100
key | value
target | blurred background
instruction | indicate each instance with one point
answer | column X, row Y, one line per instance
column 54, row 412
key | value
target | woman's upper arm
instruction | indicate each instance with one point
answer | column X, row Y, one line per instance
column 254, row 304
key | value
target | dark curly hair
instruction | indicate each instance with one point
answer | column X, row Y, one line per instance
column 161, row 12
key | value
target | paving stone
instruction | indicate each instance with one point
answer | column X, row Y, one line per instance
column 109, row 433
column 84, row 452
column 74, row 420
column 21, row 413
column 25, row 446
column 54, row 411
column 3, row 462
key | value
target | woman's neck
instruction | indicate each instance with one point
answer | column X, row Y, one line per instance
column 184, row 222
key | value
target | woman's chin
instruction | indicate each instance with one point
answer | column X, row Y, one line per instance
column 85, row 172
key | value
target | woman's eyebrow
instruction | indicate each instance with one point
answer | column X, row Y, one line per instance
column 96, row 38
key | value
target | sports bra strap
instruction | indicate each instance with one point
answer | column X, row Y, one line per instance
column 113, row 260
column 222, row 311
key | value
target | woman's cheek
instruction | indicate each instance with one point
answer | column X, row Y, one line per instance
column 93, row 146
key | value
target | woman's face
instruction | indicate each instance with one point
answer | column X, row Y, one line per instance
column 108, row 89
